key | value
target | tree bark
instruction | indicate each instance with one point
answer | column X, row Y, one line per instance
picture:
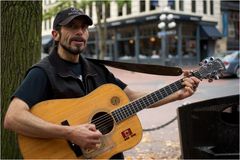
column 101, row 30
column 20, row 48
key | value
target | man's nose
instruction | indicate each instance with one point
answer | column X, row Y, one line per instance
column 79, row 31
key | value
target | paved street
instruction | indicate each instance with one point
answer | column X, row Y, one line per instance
column 164, row 143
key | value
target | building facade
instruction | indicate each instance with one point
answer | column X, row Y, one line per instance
column 230, row 24
column 133, row 32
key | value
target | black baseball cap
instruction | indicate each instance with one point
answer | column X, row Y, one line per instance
column 65, row 16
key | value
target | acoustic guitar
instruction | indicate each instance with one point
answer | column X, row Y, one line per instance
column 107, row 107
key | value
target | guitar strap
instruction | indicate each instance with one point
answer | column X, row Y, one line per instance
column 142, row 68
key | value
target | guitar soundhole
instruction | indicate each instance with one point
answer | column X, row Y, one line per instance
column 103, row 121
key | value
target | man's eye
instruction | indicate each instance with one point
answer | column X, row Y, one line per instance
column 69, row 25
column 74, row 26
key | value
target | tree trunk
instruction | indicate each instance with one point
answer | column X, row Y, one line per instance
column 21, row 23
column 100, row 28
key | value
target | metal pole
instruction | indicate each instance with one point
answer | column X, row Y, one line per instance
column 163, row 55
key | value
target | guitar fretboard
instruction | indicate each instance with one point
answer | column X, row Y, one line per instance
column 146, row 101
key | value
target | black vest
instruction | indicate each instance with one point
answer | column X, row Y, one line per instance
column 65, row 84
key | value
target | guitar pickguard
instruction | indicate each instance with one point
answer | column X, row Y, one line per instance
column 105, row 145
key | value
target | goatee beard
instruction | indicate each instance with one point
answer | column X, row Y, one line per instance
column 70, row 50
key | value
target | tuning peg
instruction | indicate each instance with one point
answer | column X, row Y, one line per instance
column 214, row 73
column 205, row 61
column 211, row 58
column 209, row 64
column 216, row 77
column 221, row 69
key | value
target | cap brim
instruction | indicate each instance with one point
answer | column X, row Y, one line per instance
column 69, row 19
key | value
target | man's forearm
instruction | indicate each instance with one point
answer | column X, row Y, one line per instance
column 28, row 124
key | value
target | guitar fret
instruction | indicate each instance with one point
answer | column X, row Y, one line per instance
column 130, row 107
column 121, row 111
column 144, row 101
column 150, row 99
column 115, row 116
column 124, row 112
column 159, row 95
column 139, row 106
column 169, row 89
column 155, row 94
column 129, row 111
column 179, row 84
column 165, row 92
column 120, row 115
column 172, row 86
column 134, row 110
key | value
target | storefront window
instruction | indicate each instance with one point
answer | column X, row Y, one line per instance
column 125, row 42
column 149, row 42
column 91, row 46
column 189, row 47
column 149, row 47
column 126, row 49
column 189, row 43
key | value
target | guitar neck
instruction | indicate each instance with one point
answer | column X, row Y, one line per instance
column 146, row 101
column 132, row 108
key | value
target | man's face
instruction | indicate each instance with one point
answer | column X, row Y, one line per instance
column 74, row 36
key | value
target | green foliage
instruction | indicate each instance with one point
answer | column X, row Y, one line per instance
column 62, row 4
column 122, row 2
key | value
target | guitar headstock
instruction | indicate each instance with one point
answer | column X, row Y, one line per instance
column 210, row 69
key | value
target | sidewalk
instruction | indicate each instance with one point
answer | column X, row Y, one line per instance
column 164, row 142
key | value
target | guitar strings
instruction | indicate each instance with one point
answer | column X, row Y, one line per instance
column 103, row 122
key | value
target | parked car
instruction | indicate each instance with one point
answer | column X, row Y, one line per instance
column 221, row 55
column 231, row 63
column 47, row 43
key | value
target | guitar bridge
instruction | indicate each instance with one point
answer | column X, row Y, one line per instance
column 105, row 145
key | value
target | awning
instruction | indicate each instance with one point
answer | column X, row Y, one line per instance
column 209, row 31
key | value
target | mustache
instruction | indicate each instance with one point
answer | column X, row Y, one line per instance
column 77, row 38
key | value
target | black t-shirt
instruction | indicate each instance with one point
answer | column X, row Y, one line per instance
column 36, row 86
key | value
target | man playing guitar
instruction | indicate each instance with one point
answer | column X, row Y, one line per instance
column 66, row 74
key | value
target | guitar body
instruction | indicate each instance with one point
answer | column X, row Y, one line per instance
column 119, row 137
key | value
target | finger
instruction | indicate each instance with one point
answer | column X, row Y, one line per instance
column 195, row 83
column 196, row 80
column 188, row 82
column 189, row 90
column 92, row 127
column 186, row 73
column 95, row 141
column 96, row 134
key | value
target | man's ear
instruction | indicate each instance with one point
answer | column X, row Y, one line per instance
column 55, row 35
